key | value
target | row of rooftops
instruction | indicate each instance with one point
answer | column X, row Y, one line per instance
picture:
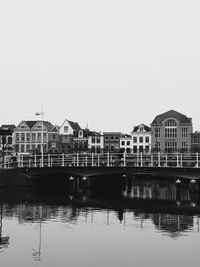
column 86, row 132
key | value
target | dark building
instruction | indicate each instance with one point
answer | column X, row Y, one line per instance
column 171, row 132
column 6, row 138
column 195, row 142
column 112, row 141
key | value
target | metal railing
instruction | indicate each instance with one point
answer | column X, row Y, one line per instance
column 106, row 159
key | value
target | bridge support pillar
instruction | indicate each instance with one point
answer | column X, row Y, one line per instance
column 141, row 160
column 159, row 159
column 177, row 160
column 77, row 160
column 49, row 160
column 124, row 158
column 108, row 159
column 35, row 159
column 151, row 163
column 181, row 161
column 63, row 160
column 197, row 160
column 137, row 159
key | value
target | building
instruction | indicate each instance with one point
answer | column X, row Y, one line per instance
column 67, row 132
column 141, row 139
column 6, row 139
column 126, row 143
column 95, row 142
column 195, row 142
column 112, row 142
column 85, row 140
column 170, row 132
column 28, row 137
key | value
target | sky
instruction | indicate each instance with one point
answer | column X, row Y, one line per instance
column 107, row 64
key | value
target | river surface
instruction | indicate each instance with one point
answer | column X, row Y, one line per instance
column 141, row 223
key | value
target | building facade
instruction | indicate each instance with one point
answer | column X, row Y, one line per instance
column 141, row 139
column 171, row 132
column 67, row 132
column 6, row 139
column 28, row 137
column 95, row 142
column 126, row 143
column 112, row 142
column 195, row 142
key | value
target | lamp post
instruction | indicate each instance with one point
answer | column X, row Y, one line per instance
column 42, row 151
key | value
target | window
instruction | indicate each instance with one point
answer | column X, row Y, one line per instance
column 33, row 137
column 116, row 137
column 135, row 139
column 44, row 137
column 93, row 139
column 17, row 137
column 22, row 148
column 106, row 138
column 184, row 146
column 112, row 138
column 157, row 132
column 147, row 139
column 157, row 146
column 53, row 145
column 141, row 139
column 81, row 133
column 22, row 137
column 98, row 140
column 141, row 129
column 171, row 129
column 170, row 146
column 184, row 132
column 28, row 137
column 27, row 148
column 123, row 143
column 66, row 129
column 128, row 143
column 17, row 147
column 39, row 137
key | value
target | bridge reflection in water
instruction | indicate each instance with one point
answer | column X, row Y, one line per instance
column 166, row 203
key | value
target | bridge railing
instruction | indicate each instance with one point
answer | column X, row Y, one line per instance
column 106, row 159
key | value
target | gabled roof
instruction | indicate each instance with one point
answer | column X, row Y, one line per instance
column 146, row 128
column 9, row 126
column 54, row 129
column 30, row 124
column 86, row 133
column 75, row 126
column 172, row 114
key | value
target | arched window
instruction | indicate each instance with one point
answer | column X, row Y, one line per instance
column 170, row 123
column 170, row 129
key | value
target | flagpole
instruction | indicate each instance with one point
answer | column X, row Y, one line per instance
column 42, row 140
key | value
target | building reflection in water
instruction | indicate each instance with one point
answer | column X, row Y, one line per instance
column 165, row 204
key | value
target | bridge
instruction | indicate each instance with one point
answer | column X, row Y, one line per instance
column 179, row 165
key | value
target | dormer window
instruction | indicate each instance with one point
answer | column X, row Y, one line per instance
column 66, row 128
column 141, row 129
column 81, row 133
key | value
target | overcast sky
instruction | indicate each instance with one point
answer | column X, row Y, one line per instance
column 112, row 64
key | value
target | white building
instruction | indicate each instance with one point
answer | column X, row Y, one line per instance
column 141, row 137
column 126, row 143
column 67, row 131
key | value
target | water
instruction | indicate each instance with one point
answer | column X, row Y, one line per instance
column 140, row 223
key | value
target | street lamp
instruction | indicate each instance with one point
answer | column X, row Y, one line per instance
column 42, row 152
